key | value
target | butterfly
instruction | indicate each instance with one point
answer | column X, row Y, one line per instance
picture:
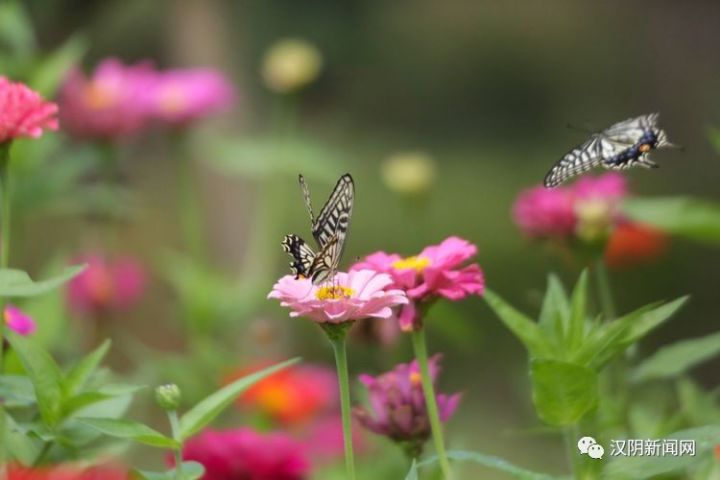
column 623, row 145
column 329, row 230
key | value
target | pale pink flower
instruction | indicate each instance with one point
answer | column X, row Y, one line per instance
column 349, row 296
column 184, row 95
column 437, row 271
column 23, row 112
column 243, row 454
column 106, row 284
column 541, row 212
column 18, row 321
column 114, row 102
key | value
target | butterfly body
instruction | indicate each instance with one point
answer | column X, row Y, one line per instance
column 329, row 230
column 623, row 145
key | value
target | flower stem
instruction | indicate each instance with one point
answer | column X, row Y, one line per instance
column 337, row 335
column 177, row 453
column 420, row 347
column 602, row 281
column 4, row 256
column 190, row 215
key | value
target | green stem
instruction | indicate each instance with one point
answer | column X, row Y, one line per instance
column 421, row 355
column 602, row 281
column 337, row 337
column 175, row 429
column 43, row 453
column 190, row 214
column 4, row 256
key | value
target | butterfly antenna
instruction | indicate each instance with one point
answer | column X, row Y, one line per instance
column 584, row 128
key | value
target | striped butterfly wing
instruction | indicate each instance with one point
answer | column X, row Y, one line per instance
column 326, row 261
column 303, row 256
column 334, row 218
column 580, row 159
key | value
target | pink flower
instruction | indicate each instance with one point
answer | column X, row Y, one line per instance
column 243, row 454
column 324, row 440
column 114, row 102
column 66, row 471
column 182, row 96
column 609, row 186
column 349, row 296
column 542, row 212
column 437, row 271
column 106, row 285
column 18, row 321
column 398, row 408
column 23, row 113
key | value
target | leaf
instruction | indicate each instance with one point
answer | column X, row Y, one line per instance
column 130, row 430
column 21, row 445
column 672, row 360
column 524, row 328
column 562, row 392
column 190, row 471
column 205, row 412
column 640, row 467
column 16, row 283
column 51, row 70
column 16, row 28
column 16, row 391
column 44, row 374
column 489, row 461
column 85, row 399
column 554, row 308
column 578, row 309
column 78, row 376
column 689, row 217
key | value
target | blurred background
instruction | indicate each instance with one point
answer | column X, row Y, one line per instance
column 478, row 95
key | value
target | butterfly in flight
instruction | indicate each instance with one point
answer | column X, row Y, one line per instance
column 329, row 229
column 623, row 145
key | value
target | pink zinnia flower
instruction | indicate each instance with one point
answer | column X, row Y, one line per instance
column 18, row 321
column 106, row 285
column 349, row 296
column 244, row 454
column 398, row 408
column 23, row 113
column 185, row 95
column 438, row 271
column 542, row 212
column 114, row 102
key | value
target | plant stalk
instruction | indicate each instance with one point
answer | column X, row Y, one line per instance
column 602, row 281
column 4, row 257
column 177, row 453
column 421, row 355
column 337, row 339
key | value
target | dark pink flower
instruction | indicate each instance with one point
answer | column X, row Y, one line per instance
column 437, row 271
column 243, row 454
column 397, row 404
column 185, row 95
column 23, row 113
column 542, row 212
column 349, row 296
column 18, row 321
column 114, row 102
column 106, row 284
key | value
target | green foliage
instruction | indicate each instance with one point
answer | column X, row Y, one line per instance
column 188, row 470
column 563, row 392
column 130, row 430
column 16, row 283
column 678, row 358
column 681, row 216
column 489, row 461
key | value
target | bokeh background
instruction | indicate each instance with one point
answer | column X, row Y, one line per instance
column 485, row 89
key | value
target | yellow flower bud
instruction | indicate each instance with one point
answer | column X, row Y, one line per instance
column 408, row 173
column 291, row 64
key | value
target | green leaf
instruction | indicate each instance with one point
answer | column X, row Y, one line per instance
column 578, row 315
column 16, row 391
column 672, row 360
column 562, row 392
column 85, row 399
column 44, row 374
column 205, row 412
column 130, row 430
column 638, row 468
column 16, row 283
column 524, row 328
column 78, row 376
column 555, row 308
column 689, row 217
column 16, row 28
column 51, row 70
column 189, row 470
column 489, row 461
column 21, row 445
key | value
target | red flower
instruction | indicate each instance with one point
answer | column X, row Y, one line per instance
column 23, row 113
column 633, row 244
column 65, row 472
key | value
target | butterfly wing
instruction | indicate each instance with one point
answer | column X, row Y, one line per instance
column 334, row 218
column 303, row 256
column 326, row 261
column 578, row 160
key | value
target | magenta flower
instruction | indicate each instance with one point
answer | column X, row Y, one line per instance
column 113, row 103
column 18, row 321
column 349, row 296
column 243, row 454
column 185, row 95
column 437, row 271
column 106, row 285
column 397, row 403
column 541, row 212
column 23, row 113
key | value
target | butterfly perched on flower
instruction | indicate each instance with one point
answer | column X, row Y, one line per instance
column 623, row 145
column 329, row 230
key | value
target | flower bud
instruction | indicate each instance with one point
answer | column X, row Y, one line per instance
column 291, row 64
column 408, row 173
column 168, row 396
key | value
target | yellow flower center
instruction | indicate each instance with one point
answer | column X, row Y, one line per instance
column 412, row 263
column 333, row 292
column 415, row 378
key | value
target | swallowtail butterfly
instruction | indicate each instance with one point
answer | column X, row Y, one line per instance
column 625, row 144
column 329, row 230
